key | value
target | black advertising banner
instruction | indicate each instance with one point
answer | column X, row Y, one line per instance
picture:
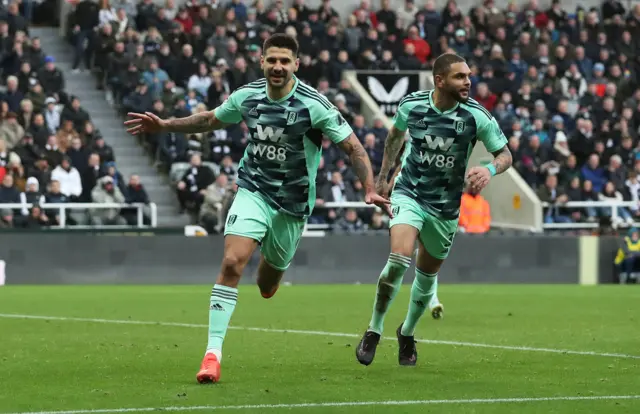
column 388, row 88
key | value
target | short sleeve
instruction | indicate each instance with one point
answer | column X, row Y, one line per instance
column 333, row 126
column 490, row 134
column 401, row 116
column 229, row 111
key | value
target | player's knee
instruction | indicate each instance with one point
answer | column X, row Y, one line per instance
column 232, row 264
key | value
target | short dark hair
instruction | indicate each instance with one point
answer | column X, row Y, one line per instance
column 443, row 63
column 283, row 41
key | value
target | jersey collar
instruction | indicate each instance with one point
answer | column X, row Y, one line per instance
column 448, row 111
column 284, row 98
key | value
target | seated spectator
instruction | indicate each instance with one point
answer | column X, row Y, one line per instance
column 54, row 196
column 350, row 223
column 90, row 177
column 227, row 167
column 66, row 134
column 626, row 259
column 191, row 189
column 51, row 115
column 9, row 194
column 135, row 194
column 632, row 192
column 6, row 218
column 11, row 131
column 68, row 179
column 32, row 195
column 550, row 193
column 378, row 222
column 611, row 195
column 213, row 206
column 475, row 213
column 106, row 192
column 594, row 173
column 36, row 218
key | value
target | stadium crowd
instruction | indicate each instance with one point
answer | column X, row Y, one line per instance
column 562, row 84
column 49, row 149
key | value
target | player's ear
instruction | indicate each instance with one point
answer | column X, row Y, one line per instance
column 262, row 62
column 297, row 65
column 437, row 80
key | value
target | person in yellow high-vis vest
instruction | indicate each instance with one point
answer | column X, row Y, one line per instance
column 628, row 256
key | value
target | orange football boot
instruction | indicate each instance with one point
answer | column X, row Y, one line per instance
column 209, row 370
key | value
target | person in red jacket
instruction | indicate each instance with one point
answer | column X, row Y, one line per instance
column 423, row 50
column 485, row 97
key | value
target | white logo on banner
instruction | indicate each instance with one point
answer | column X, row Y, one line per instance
column 388, row 100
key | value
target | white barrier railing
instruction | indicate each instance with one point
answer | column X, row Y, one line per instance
column 551, row 226
column 63, row 207
column 613, row 205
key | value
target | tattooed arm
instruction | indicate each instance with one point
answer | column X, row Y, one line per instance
column 478, row 177
column 359, row 161
column 502, row 160
column 392, row 146
column 202, row 122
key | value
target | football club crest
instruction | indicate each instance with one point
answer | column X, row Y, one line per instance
column 232, row 219
column 395, row 210
column 459, row 126
column 291, row 117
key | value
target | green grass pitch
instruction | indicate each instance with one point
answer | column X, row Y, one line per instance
column 58, row 364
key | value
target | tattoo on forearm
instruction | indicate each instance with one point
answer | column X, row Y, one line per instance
column 359, row 161
column 193, row 124
column 362, row 166
column 392, row 145
column 502, row 160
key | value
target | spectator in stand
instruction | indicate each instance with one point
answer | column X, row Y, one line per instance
column 611, row 195
column 191, row 189
column 32, row 195
column 210, row 216
column 350, row 223
column 68, row 179
column 9, row 194
column 54, row 196
column 594, row 173
column 555, row 196
column 135, row 194
column 106, row 192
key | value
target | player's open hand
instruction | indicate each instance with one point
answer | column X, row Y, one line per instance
column 478, row 178
column 378, row 200
column 144, row 123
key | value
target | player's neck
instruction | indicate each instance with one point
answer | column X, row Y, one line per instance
column 275, row 94
column 442, row 102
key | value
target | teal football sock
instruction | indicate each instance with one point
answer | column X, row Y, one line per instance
column 222, row 305
column 423, row 290
column 388, row 285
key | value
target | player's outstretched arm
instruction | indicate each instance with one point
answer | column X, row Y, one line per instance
column 393, row 144
column 361, row 163
column 150, row 123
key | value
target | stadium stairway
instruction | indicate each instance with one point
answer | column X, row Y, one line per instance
column 131, row 158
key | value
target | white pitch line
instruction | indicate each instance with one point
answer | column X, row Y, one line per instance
column 344, row 404
column 321, row 333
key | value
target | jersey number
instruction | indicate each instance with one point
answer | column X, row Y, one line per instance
column 270, row 152
column 439, row 160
